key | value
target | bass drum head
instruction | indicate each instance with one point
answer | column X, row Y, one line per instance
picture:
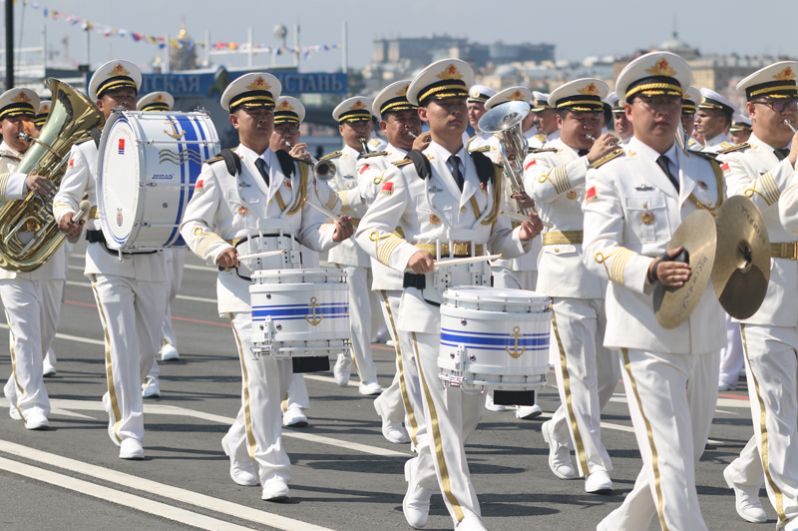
column 118, row 187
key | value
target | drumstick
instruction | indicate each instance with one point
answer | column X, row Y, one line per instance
column 85, row 206
column 262, row 254
column 466, row 260
column 328, row 213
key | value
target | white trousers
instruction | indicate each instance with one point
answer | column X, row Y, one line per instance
column 297, row 393
column 504, row 277
column 175, row 263
column 772, row 372
column 360, row 322
column 401, row 401
column 32, row 312
column 131, row 314
column 256, row 432
column 451, row 415
column 671, row 401
column 731, row 355
column 587, row 374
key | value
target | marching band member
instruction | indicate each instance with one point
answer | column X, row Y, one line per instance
column 632, row 206
column 478, row 95
column 289, row 113
column 762, row 169
column 450, row 201
column 175, row 258
column 740, row 129
column 401, row 401
column 545, row 120
column 354, row 118
column 621, row 125
column 269, row 187
column 713, row 119
column 587, row 373
column 520, row 272
column 48, row 367
column 129, row 289
column 32, row 301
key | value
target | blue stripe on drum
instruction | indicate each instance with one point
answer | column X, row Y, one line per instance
column 194, row 168
column 300, row 311
column 493, row 341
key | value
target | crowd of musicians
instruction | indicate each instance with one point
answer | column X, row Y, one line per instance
column 607, row 180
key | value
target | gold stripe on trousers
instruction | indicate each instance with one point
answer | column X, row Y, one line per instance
column 13, row 351
column 411, row 416
column 627, row 365
column 251, row 443
column 446, row 484
column 109, row 371
column 763, row 434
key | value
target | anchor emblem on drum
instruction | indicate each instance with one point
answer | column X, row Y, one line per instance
column 515, row 353
column 313, row 319
column 174, row 133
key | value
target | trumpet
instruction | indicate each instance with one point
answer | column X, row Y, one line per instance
column 323, row 169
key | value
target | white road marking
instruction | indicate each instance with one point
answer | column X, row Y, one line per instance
column 117, row 497
column 180, row 297
column 328, row 379
column 155, row 488
column 722, row 402
column 69, row 337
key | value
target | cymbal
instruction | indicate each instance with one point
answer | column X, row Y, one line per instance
column 698, row 235
column 742, row 259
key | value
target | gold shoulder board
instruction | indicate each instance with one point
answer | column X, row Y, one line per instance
column 373, row 154
column 612, row 155
column 333, row 155
column 403, row 162
column 738, row 147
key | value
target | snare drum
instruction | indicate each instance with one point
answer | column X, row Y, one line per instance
column 494, row 338
column 148, row 164
column 299, row 312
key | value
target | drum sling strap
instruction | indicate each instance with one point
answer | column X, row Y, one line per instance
column 423, row 168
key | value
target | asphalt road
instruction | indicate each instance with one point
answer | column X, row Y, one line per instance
column 345, row 475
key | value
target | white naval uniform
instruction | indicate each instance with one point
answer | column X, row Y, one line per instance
column 631, row 212
column 32, row 304
column 401, row 401
column 175, row 263
column 427, row 211
column 225, row 208
column 355, row 262
column 130, row 300
column 770, row 336
column 587, row 373
column 731, row 355
column 540, row 140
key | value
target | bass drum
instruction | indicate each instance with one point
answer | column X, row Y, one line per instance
column 149, row 162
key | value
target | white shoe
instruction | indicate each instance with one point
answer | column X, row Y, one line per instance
column 415, row 504
column 241, row 472
column 169, row 353
column 342, row 369
column 396, row 434
column 48, row 369
column 390, row 343
column 598, row 482
column 560, row 461
column 369, row 389
column 275, row 490
column 13, row 412
column 151, row 388
column 746, row 501
column 528, row 412
column 294, row 418
column 490, row 406
column 36, row 421
column 792, row 525
column 471, row 523
column 131, row 449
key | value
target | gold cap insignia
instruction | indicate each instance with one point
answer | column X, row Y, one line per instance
column 451, row 72
column 259, row 83
column 662, row 68
column 785, row 75
column 516, row 96
column 119, row 70
column 285, row 105
column 159, row 97
column 358, row 105
column 22, row 97
column 590, row 90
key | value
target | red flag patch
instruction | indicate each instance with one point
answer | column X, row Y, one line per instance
column 198, row 185
column 591, row 194
column 363, row 168
column 387, row 188
column 725, row 166
column 530, row 164
column 71, row 163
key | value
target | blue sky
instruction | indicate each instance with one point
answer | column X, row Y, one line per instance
column 582, row 28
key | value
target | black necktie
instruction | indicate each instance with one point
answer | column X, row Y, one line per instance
column 781, row 153
column 263, row 168
column 454, row 163
column 583, row 152
column 662, row 162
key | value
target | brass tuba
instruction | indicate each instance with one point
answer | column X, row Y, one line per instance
column 504, row 121
column 29, row 234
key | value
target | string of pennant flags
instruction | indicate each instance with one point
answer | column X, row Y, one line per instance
column 175, row 42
